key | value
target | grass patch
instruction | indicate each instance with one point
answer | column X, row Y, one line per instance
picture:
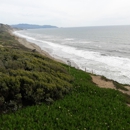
column 86, row 107
column 104, row 78
column 119, row 86
column 127, row 98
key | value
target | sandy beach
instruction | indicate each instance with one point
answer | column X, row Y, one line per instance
column 33, row 46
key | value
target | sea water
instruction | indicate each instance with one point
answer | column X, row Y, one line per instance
column 100, row 50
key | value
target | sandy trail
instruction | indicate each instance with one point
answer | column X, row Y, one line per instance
column 107, row 84
column 102, row 83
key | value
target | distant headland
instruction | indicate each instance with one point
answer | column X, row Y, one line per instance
column 31, row 26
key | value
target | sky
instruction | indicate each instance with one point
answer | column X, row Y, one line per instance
column 66, row 13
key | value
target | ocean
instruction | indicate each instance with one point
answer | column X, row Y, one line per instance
column 101, row 50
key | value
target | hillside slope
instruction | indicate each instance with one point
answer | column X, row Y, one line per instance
column 63, row 98
column 26, row 77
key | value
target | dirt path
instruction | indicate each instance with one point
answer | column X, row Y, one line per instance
column 102, row 83
column 107, row 84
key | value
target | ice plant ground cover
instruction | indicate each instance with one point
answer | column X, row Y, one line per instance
column 85, row 107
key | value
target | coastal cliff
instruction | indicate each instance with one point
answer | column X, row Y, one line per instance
column 37, row 92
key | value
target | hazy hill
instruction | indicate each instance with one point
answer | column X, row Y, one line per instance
column 31, row 26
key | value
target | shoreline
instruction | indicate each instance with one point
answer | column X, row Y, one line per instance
column 35, row 47
column 84, row 59
column 95, row 78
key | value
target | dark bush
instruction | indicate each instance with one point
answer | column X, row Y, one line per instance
column 28, row 78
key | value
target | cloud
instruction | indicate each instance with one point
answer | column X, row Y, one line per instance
column 65, row 12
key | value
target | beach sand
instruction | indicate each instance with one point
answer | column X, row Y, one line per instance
column 35, row 47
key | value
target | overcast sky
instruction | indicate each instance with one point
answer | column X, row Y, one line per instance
column 66, row 13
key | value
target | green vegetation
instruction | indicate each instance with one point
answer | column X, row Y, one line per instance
column 9, row 41
column 119, row 86
column 27, row 78
column 86, row 107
